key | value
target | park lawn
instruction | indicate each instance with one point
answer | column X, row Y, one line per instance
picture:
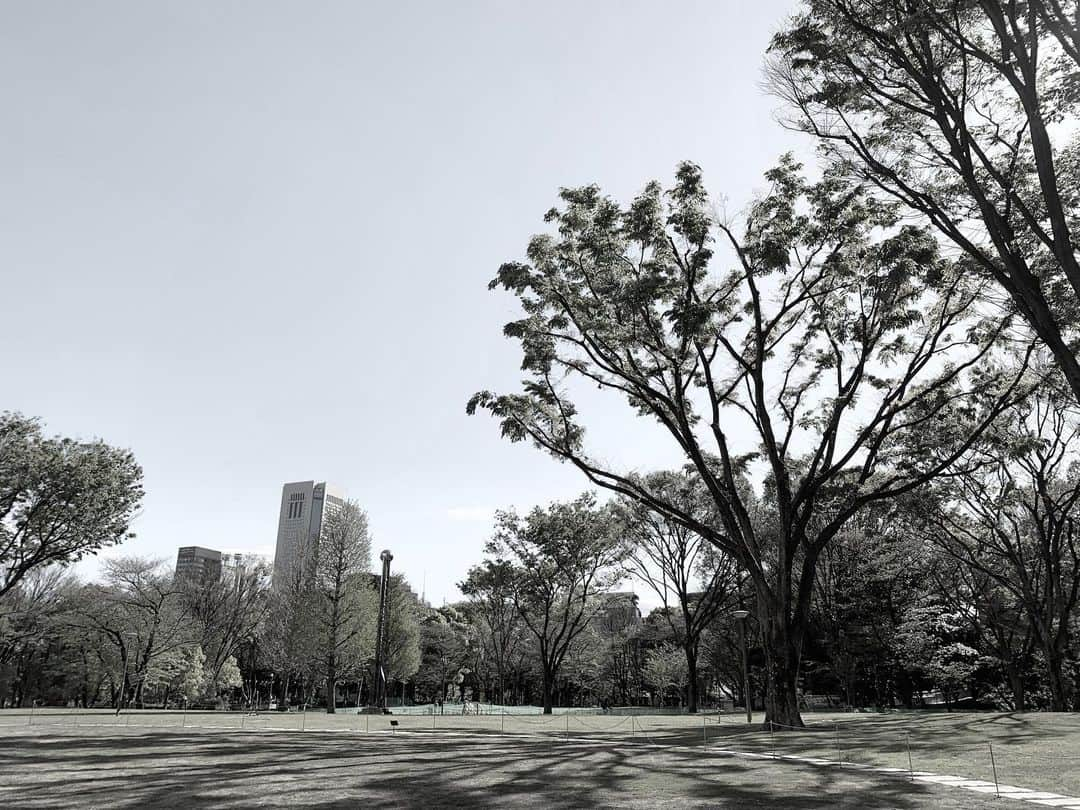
column 49, row 765
column 1039, row 751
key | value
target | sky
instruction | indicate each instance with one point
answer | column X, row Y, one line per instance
column 251, row 241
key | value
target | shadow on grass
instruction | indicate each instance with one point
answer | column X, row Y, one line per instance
column 174, row 769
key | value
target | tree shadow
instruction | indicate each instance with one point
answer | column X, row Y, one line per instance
column 174, row 769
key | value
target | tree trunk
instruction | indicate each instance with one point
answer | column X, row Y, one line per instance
column 1016, row 682
column 692, row 675
column 549, row 690
column 782, row 656
column 1059, row 693
column 331, row 686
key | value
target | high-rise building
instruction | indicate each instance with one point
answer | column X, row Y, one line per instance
column 198, row 564
column 304, row 504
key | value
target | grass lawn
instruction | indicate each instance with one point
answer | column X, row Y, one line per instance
column 89, row 759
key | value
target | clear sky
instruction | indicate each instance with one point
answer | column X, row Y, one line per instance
column 251, row 241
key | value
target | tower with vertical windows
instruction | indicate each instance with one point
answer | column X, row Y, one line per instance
column 304, row 505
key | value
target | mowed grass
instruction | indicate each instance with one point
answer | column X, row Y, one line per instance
column 64, row 758
column 1040, row 751
column 50, row 765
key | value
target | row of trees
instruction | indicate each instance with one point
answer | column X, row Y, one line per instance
column 144, row 636
column 967, row 586
column 881, row 330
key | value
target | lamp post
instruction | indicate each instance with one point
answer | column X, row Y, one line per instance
column 740, row 617
column 379, row 685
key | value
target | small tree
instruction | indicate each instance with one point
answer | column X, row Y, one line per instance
column 673, row 559
column 1013, row 517
column 562, row 558
column 665, row 669
column 489, row 587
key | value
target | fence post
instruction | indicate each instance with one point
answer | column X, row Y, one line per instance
column 993, row 764
column 367, row 723
column 183, row 718
column 303, row 720
column 432, row 716
column 839, row 751
column 772, row 739
column 633, row 728
column 241, row 721
column 567, row 716
column 502, row 721
column 911, row 769
column 704, row 734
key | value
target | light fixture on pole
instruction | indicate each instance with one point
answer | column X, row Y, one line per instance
column 741, row 617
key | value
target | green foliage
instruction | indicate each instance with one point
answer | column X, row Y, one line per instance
column 842, row 362
column 665, row 669
column 955, row 109
column 60, row 499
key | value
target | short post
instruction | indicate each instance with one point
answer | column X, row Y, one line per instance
column 839, row 752
column 502, row 721
column 993, row 764
column 30, row 719
column 704, row 734
column 910, row 767
column 633, row 727
column 772, row 739
column 567, row 716
column 303, row 720
column 183, row 718
column 432, row 716
column 367, row 723
column 241, row 720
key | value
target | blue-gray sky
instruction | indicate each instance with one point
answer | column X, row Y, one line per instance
column 252, row 241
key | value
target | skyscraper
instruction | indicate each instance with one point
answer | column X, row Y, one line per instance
column 197, row 564
column 304, row 504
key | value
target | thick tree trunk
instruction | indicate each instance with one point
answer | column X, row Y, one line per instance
column 782, row 656
column 549, row 691
column 1059, row 693
column 692, row 675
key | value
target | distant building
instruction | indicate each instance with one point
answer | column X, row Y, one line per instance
column 197, row 564
column 304, row 505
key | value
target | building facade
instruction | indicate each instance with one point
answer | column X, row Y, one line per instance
column 304, row 507
column 197, row 564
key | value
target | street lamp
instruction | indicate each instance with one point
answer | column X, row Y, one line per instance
column 740, row 617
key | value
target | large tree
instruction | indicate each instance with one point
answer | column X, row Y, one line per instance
column 839, row 362
column 60, row 499
column 561, row 559
column 675, row 562
column 344, row 556
column 959, row 109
